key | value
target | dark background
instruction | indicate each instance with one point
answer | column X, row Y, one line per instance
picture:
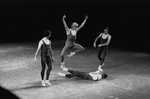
column 128, row 21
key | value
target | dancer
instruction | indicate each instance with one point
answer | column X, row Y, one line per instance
column 102, row 46
column 46, row 56
column 83, row 75
column 71, row 37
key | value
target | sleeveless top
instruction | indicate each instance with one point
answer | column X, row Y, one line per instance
column 45, row 49
column 70, row 37
column 102, row 41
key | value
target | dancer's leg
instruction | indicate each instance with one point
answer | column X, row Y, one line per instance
column 43, row 63
column 79, row 74
column 49, row 64
column 103, row 55
column 100, row 50
column 65, row 48
column 78, row 48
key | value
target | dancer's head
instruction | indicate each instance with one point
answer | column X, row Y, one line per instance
column 104, row 75
column 106, row 30
column 99, row 76
column 95, row 76
column 74, row 25
column 47, row 33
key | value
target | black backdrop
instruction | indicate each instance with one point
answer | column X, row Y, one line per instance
column 128, row 20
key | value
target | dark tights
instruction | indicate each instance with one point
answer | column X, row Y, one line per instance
column 79, row 74
column 46, row 60
column 102, row 51
column 68, row 45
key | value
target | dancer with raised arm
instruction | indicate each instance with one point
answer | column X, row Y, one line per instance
column 71, row 38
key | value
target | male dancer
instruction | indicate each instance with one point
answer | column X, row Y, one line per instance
column 102, row 47
column 46, row 56
column 71, row 37
column 83, row 75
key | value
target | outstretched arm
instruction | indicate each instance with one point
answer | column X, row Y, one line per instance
column 64, row 22
column 82, row 23
column 96, row 40
column 39, row 46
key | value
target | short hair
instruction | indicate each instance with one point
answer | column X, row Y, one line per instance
column 74, row 24
column 104, row 75
column 46, row 33
column 107, row 28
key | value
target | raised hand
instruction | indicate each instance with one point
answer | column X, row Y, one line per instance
column 64, row 16
column 86, row 17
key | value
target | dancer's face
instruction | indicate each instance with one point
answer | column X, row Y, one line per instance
column 49, row 36
column 74, row 25
column 74, row 28
column 105, row 31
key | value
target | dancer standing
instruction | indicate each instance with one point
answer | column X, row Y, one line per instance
column 102, row 46
column 46, row 56
column 71, row 37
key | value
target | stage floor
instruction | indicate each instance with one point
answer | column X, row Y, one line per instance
column 128, row 74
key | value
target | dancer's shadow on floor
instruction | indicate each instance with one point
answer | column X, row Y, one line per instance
column 76, row 80
column 114, row 66
column 73, row 80
column 33, row 85
column 38, row 85
column 57, row 81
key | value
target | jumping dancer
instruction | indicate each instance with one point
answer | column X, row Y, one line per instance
column 71, row 37
column 46, row 56
column 83, row 75
column 102, row 46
